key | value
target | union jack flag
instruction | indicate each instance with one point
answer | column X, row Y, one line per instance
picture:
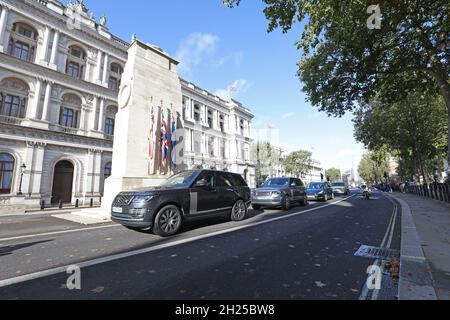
column 164, row 140
column 152, row 136
column 174, row 137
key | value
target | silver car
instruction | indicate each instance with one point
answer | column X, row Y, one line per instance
column 280, row 192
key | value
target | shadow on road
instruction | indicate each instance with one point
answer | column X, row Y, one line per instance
column 4, row 251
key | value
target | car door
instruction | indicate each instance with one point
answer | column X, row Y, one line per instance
column 204, row 199
column 300, row 189
column 226, row 191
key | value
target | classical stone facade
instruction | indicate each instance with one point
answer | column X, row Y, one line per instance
column 60, row 73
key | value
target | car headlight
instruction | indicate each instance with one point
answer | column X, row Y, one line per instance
column 143, row 199
column 276, row 193
column 320, row 193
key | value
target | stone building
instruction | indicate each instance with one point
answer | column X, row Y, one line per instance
column 60, row 73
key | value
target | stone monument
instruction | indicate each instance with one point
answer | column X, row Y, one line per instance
column 150, row 82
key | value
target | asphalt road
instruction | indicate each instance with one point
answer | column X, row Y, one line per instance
column 306, row 253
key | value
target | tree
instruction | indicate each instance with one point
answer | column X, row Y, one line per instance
column 413, row 129
column 298, row 163
column 372, row 167
column 267, row 158
column 346, row 61
column 334, row 174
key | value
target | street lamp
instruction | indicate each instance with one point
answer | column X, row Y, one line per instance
column 22, row 171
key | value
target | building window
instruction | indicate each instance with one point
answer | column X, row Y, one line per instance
column 13, row 98
column 76, row 62
column 108, row 170
column 197, row 142
column 241, row 127
column 109, row 126
column 115, row 68
column 6, row 172
column 113, row 84
column 23, row 42
column 210, row 119
column 211, row 146
column 73, row 69
column 222, row 123
column 12, row 106
column 196, row 113
column 68, row 117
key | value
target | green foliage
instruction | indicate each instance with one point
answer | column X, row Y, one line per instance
column 415, row 130
column 346, row 64
column 373, row 165
column 298, row 163
column 334, row 174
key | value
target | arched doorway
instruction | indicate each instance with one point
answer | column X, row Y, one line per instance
column 62, row 182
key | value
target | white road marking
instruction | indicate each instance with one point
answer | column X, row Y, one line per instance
column 385, row 243
column 58, row 232
column 54, row 271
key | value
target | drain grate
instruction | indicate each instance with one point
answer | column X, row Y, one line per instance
column 377, row 253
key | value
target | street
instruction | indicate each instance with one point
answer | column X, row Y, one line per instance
column 305, row 253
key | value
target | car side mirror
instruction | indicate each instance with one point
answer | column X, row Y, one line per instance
column 201, row 183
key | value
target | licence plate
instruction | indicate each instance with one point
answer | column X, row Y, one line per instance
column 117, row 209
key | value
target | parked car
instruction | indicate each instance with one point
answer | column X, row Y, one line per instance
column 280, row 192
column 320, row 191
column 187, row 195
column 340, row 188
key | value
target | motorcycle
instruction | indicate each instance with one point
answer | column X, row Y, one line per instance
column 366, row 194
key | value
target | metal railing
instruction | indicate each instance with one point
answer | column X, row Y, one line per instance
column 436, row 191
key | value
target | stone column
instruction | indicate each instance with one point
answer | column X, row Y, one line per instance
column 37, row 98
column 3, row 21
column 92, row 123
column 105, row 70
column 101, row 121
column 55, row 49
column 99, row 66
column 44, row 48
column 97, row 170
column 83, row 118
column 48, row 95
column 87, row 75
column 37, row 169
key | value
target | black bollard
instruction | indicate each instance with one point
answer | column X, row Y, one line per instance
column 60, row 204
column 91, row 204
column 42, row 204
column 77, row 203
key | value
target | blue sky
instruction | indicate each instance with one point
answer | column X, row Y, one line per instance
column 218, row 46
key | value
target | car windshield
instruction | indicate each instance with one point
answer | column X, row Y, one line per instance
column 338, row 184
column 181, row 180
column 315, row 185
column 278, row 182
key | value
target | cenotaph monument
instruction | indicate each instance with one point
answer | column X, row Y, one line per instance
column 150, row 82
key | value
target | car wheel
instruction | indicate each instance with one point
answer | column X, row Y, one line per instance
column 286, row 203
column 168, row 221
column 304, row 203
column 256, row 207
column 239, row 211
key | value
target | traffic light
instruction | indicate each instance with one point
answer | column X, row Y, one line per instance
column 321, row 176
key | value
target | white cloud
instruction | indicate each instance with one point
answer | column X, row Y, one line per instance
column 194, row 49
column 288, row 115
column 236, row 58
column 237, row 87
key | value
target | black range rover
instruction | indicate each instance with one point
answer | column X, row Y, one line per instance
column 190, row 194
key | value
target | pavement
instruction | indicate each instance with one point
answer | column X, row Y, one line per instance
column 425, row 249
column 304, row 253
